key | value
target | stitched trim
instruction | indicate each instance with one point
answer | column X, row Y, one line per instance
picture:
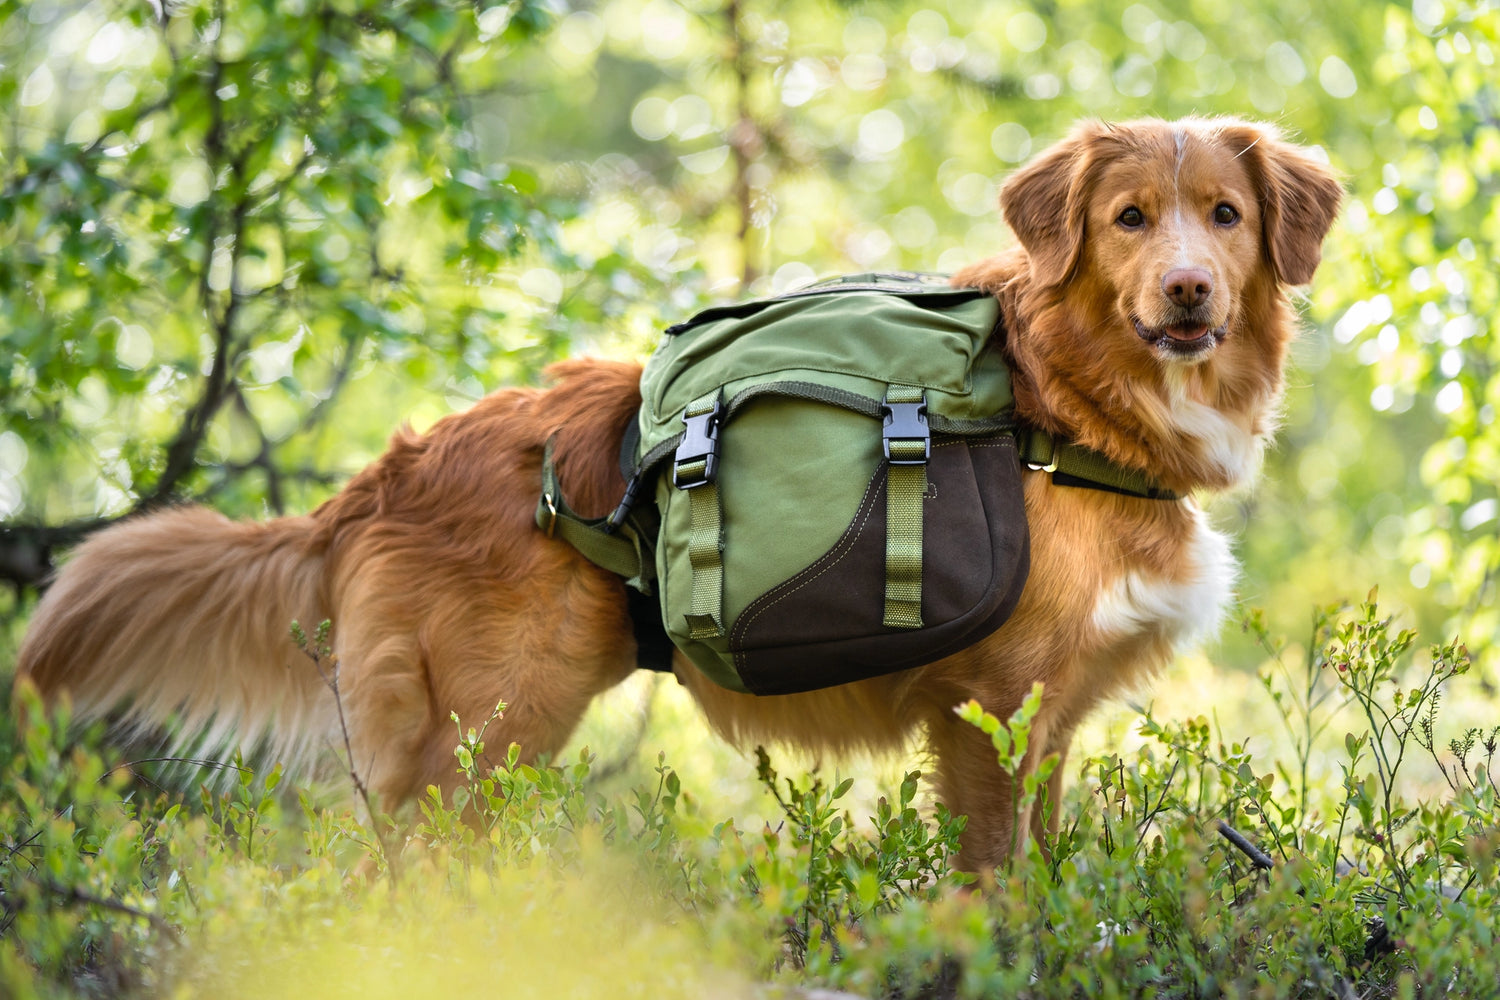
column 827, row 561
column 840, row 549
column 849, row 533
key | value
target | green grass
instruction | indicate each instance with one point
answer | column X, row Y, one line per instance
column 1377, row 822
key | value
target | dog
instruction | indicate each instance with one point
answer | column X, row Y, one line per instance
column 1146, row 316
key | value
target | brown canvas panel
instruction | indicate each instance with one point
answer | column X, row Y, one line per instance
column 824, row 626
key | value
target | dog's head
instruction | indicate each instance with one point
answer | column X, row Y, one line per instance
column 1172, row 225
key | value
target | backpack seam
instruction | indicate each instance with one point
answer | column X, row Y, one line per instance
column 826, row 562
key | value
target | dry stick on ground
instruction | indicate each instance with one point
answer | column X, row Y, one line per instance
column 1378, row 943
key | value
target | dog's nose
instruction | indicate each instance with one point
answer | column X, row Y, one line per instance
column 1188, row 286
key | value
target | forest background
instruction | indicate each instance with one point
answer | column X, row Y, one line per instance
column 241, row 240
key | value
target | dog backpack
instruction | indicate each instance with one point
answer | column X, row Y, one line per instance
column 836, row 483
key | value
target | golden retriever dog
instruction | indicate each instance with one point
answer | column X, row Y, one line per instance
column 1147, row 318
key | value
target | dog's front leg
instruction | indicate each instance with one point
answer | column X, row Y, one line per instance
column 971, row 782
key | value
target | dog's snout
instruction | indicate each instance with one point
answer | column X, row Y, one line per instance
column 1188, row 286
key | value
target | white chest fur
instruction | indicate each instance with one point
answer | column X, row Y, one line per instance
column 1183, row 607
column 1225, row 442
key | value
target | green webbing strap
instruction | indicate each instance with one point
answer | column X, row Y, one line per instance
column 906, row 483
column 1075, row 465
column 618, row 552
column 706, row 537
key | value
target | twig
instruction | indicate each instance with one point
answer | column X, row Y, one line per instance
column 319, row 410
column 73, row 894
column 331, row 679
column 16, row 849
column 263, row 459
column 744, row 138
column 1140, row 828
column 1258, row 858
column 195, row 762
column 218, row 765
column 633, row 745
column 1459, row 895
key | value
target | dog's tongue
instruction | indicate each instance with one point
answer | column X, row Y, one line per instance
column 1186, row 332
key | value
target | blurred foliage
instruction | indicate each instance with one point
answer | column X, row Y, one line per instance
column 217, row 217
column 240, row 240
column 224, row 213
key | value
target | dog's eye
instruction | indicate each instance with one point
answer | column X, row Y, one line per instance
column 1225, row 215
column 1131, row 218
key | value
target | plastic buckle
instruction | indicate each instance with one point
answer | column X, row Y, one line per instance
column 906, row 422
column 700, row 443
column 627, row 503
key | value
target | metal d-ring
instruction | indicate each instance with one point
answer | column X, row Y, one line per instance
column 551, row 513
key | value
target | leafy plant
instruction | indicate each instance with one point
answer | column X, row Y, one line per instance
column 1189, row 865
column 1012, row 740
column 821, row 877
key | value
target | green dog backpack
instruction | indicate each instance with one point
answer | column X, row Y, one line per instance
column 836, row 483
column 840, row 492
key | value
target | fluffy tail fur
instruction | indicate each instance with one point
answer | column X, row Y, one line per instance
column 185, row 615
column 443, row 594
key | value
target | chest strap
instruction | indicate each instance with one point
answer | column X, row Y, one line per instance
column 619, row 547
column 1074, row 465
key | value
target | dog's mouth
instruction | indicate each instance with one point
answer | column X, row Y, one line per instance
column 1185, row 337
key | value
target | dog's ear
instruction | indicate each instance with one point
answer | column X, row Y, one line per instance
column 1044, row 204
column 1300, row 198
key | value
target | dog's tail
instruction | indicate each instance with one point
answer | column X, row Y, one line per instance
column 185, row 616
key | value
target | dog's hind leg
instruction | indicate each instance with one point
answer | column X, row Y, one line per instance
column 545, row 647
column 383, row 709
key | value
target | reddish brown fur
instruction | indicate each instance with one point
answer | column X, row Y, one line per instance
column 445, row 596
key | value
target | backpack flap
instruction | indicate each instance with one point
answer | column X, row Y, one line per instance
column 855, row 341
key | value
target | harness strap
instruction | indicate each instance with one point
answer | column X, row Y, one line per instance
column 617, row 551
column 1075, row 465
column 906, row 484
column 619, row 544
column 698, row 474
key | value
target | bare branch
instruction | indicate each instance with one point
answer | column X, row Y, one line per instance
column 1258, row 858
column 73, row 894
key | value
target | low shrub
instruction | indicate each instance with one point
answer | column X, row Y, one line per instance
column 1185, row 867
